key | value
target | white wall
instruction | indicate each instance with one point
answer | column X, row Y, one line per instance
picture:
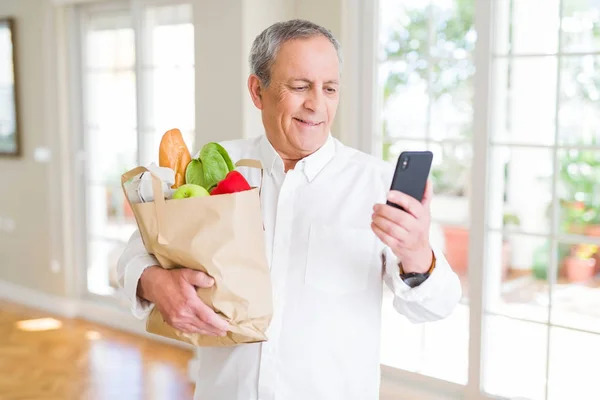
column 30, row 194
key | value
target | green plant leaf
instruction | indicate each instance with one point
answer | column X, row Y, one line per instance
column 216, row 164
column 194, row 173
column 225, row 156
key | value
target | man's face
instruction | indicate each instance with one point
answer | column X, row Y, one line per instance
column 300, row 103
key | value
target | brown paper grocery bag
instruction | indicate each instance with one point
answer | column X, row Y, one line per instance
column 221, row 235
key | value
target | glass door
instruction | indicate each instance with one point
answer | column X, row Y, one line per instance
column 426, row 74
column 137, row 80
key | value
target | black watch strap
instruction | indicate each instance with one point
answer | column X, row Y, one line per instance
column 414, row 279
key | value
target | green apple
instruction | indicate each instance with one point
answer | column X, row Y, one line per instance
column 190, row 190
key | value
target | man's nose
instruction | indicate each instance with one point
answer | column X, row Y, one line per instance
column 315, row 101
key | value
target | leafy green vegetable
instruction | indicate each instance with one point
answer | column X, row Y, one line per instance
column 210, row 167
column 194, row 173
column 224, row 154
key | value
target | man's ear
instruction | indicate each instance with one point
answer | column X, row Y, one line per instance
column 255, row 89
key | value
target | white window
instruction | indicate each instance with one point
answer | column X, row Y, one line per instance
column 137, row 82
column 540, row 287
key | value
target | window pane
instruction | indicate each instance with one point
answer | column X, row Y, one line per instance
column 105, row 161
column 405, row 100
column 573, row 370
column 111, row 100
column 579, row 112
column 527, row 26
column 517, row 276
column 393, row 351
column 170, row 100
column 109, row 42
column 576, row 294
column 170, row 35
column 452, row 99
column 456, row 249
column 110, row 142
column 424, row 74
column 520, row 188
column 168, row 76
column 514, row 360
column 451, row 173
column 438, row 349
column 394, row 147
column 581, row 25
column 403, row 73
column 102, row 261
column 579, row 191
column 450, row 176
column 404, row 28
column 524, row 91
column 446, row 347
column 454, row 28
column 109, row 215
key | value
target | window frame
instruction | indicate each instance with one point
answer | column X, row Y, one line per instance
column 77, row 14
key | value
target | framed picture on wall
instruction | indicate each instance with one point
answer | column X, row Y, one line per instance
column 10, row 140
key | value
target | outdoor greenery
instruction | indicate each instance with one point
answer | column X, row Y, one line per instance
column 445, row 63
column 579, row 188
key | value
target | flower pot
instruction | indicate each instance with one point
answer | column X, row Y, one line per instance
column 457, row 251
column 592, row 230
column 579, row 270
column 457, row 248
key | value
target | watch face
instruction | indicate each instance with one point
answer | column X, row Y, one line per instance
column 415, row 280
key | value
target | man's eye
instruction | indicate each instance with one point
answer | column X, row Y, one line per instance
column 301, row 88
column 331, row 90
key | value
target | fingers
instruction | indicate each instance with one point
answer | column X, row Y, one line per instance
column 193, row 328
column 198, row 278
column 384, row 237
column 210, row 318
column 394, row 215
column 409, row 203
column 187, row 320
column 187, row 312
column 390, row 228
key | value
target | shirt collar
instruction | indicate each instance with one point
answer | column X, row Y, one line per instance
column 311, row 165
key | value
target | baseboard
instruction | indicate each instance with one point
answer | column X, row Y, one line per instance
column 32, row 298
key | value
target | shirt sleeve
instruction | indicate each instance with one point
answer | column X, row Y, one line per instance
column 132, row 263
column 432, row 300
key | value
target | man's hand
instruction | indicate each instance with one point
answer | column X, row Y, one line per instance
column 406, row 232
column 173, row 292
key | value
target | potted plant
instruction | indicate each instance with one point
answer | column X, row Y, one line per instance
column 580, row 265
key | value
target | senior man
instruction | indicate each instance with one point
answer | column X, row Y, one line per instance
column 331, row 243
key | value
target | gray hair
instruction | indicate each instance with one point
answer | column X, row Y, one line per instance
column 266, row 45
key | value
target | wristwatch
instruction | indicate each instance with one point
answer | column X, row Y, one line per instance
column 414, row 279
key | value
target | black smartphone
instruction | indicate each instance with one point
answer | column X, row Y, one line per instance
column 412, row 171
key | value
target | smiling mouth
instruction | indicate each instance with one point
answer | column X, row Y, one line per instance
column 308, row 123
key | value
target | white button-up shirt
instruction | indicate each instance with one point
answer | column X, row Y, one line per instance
column 327, row 274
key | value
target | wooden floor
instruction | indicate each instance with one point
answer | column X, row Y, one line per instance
column 77, row 360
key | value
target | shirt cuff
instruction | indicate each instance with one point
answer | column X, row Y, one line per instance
column 419, row 293
column 140, row 308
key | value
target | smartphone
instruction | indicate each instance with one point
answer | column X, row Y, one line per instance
column 412, row 171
